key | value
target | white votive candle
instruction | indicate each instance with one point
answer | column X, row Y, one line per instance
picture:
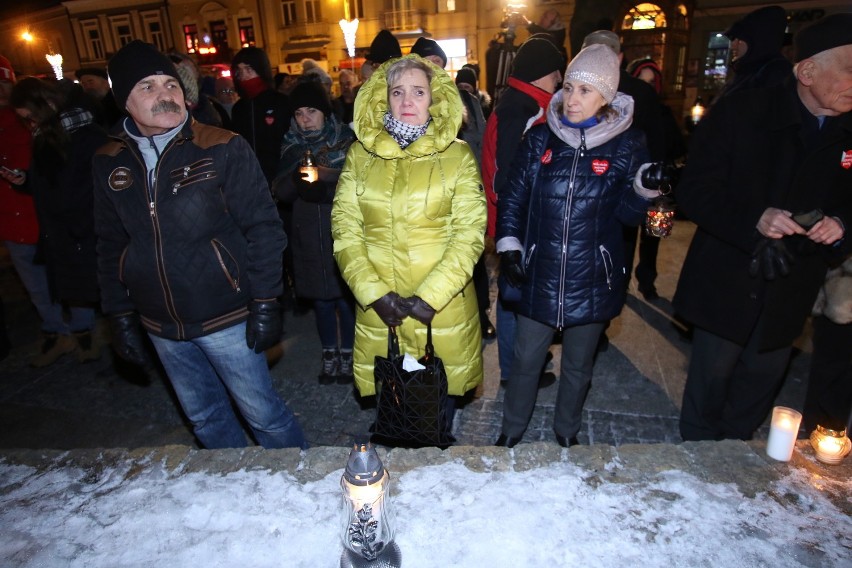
column 783, row 432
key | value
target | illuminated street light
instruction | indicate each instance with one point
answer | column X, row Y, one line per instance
column 55, row 59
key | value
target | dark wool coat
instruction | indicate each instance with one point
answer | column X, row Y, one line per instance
column 263, row 121
column 191, row 250
column 62, row 192
column 748, row 155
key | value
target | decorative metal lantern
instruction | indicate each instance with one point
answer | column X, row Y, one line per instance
column 367, row 516
column 830, row 446
column 309, row 168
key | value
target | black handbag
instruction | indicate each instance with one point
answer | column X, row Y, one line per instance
column 411, row 406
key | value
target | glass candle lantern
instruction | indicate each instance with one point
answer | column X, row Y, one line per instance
column 830, row 446
column 783, row 431
column 659, row 219
column 308, row 168
column 367, row 516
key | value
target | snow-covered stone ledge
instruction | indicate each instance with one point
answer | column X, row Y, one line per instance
column 658, row 505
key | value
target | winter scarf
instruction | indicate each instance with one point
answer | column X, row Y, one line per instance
column 404, row 134
column 328, row 145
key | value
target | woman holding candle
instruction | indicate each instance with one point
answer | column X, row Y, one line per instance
column 316, row 131
column 575, row 181
column 408, row 222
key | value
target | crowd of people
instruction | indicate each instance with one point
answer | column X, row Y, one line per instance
column 192, row 211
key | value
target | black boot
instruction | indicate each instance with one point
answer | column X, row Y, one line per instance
column 506, row 442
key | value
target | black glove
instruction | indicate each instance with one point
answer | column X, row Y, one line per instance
column 391, row 308
column 264, row 325
column 420, row 310
column 512, row 268
column 312, row 192
column 127, row 339
column 769, row 259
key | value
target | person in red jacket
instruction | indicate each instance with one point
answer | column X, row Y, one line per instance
column 19, row 228
column 535, row 76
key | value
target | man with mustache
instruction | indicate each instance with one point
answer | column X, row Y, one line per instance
column 189, row 248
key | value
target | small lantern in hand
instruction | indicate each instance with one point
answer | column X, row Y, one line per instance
column 308, row 168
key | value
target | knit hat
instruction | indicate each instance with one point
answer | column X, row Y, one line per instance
column 134, row 62
column 6, row 71
column 425, row 47
column 255, row 58
column 96, row 71
column 603, row 37
column 310, row 94
column 536, row 58
column 385, row 46
column 827, row 33
column 596, row 65
column 466, row 75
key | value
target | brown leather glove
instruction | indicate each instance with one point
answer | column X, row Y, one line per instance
column 420, row 310
column 391, row 308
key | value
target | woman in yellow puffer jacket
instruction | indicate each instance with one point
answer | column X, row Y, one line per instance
column 408, row 222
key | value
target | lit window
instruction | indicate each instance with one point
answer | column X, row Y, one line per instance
column 644, row 16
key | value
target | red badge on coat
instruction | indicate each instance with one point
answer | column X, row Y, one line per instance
column 600, row 166
column 548, row 155
column 846, row 159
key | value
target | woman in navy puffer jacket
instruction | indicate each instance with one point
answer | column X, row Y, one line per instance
column 573, row 184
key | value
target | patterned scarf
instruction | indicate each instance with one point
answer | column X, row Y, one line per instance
column 75, row 118
column 404, row 134
column 328, row 145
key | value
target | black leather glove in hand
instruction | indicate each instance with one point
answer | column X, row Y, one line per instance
column 312, row 192
column 391, row 308
column 264, row 325
column 770, row 259
column 420, row 310
column 512, row 268
column 127, row 339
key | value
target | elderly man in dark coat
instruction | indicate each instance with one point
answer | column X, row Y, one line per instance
column 768, row 184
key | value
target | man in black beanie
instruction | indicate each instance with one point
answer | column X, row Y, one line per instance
column 94, row 81
column 767, row 184
column 429, row 49
column 536, row 74
column 189, row 248
column 384, row 47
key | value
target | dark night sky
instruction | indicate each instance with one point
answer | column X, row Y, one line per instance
column 10, row 8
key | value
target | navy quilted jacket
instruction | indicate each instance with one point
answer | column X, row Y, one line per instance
column 565, row 207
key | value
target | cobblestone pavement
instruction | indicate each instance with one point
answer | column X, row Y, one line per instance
column 635, row 395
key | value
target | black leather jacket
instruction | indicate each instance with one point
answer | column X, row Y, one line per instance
column 191, row 248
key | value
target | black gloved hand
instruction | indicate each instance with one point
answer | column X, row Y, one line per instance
column 512, row 268
column 391, row 308
column 770, row 259
column 127, row 339
column 312, row 192
column 264, row 325
column 420, row 310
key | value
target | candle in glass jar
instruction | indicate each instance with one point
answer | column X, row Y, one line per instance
column 783, row 432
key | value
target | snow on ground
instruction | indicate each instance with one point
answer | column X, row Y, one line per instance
column 446, row 516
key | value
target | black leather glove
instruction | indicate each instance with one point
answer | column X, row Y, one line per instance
column 312, row 192
column 420, row 310
column 512, row 268
column 264, row 325
column 391, row 308
column 127, row 339
column 770, row 259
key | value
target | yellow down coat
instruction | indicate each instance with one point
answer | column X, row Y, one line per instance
column 412, row 221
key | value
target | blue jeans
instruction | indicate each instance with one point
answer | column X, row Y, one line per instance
column 204, row 371
column 506, row 325
column 333, row 316
column 34, row 278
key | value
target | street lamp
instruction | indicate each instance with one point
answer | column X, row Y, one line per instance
column 55, row 59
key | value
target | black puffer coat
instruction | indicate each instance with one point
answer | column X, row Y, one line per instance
column 564, row 206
